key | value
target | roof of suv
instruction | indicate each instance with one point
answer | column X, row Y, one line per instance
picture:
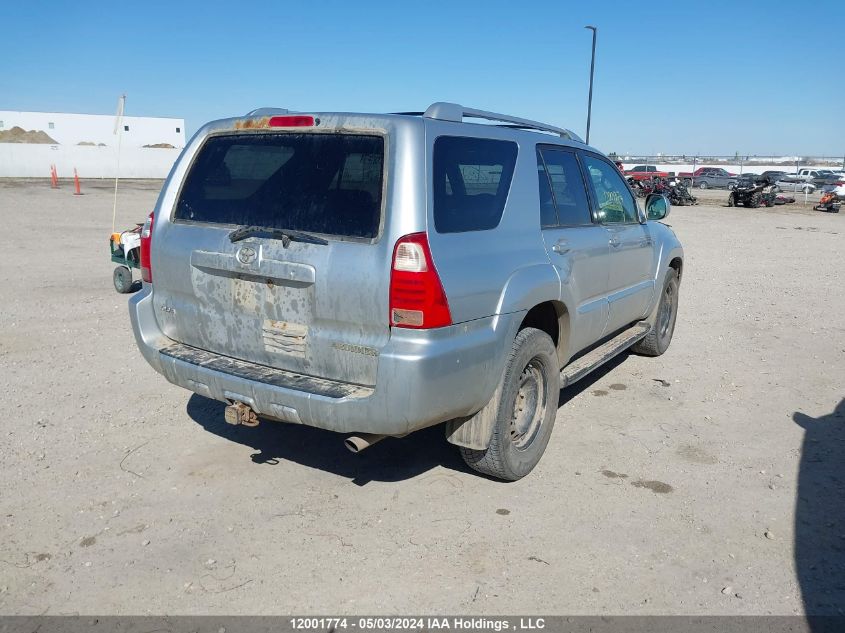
column 455, row 113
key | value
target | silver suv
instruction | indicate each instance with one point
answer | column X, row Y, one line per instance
column 375, row 274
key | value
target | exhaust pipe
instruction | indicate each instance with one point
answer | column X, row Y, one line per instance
column 357, row 443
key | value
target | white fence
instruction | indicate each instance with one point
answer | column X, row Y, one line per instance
column 22, row 160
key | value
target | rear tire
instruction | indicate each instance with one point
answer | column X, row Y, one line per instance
column 122, row 278
column 525, row 407
column 702, row 184
column 660, row 335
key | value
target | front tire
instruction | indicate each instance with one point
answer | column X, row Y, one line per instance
column 525, row 405
column 660, row 335
column 732, row 200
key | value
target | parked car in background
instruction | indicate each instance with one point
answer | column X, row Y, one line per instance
column 772, row 176
column 818, row 177
column 837, row 187
column 709, row 177
column 378, row 274
column 644, row 172
column 793, row 183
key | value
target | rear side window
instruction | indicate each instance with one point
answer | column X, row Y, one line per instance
column 318, row 183
column 471, row 180
column 566, row 186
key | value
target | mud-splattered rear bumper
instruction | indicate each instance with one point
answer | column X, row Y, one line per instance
column 424, row 376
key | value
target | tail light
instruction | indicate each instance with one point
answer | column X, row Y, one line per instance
column 146, row 242
column 417, row 299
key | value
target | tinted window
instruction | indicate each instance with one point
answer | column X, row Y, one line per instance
column 320, row 183
column 471, row 180
column 548, row 213
column 616, row 204
column 567, row 187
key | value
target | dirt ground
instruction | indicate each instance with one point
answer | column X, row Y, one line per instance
column 706, row 481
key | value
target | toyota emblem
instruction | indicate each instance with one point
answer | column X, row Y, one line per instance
column 247, row 255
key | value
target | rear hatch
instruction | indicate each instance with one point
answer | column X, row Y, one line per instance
column 270, row 254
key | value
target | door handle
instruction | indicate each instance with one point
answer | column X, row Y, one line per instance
column 561, row 247
column 614, row 241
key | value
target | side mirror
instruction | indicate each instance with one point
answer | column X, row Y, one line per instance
column 657, row 206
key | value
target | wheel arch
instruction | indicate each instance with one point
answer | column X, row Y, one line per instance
column 552, row 317
column 677, row 263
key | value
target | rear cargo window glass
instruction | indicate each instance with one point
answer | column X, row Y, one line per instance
column 318, row 183
column 471, row 180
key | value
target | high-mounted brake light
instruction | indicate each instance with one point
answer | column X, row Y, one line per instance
column 146, row 242
column 297, row 120
column 417, row 299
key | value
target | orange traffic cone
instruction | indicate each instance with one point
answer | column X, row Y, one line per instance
column 54, row 177
column 76, row 182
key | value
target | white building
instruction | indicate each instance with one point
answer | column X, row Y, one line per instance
column 87, row 142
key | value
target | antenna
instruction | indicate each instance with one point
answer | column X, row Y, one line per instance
column 118, row 129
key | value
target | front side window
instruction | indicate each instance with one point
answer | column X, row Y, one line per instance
column 566, row 186
column 471, row 178
column 319, row 183
column 615, row 202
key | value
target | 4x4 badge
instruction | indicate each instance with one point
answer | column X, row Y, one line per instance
column 247, row 255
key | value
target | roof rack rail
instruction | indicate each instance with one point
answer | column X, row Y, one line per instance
column 267, row 111
column 445, row 111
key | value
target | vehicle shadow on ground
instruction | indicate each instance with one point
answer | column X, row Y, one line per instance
column 388, row 461
column 820, row 515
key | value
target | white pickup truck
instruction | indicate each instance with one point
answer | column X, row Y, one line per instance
column 818, row 177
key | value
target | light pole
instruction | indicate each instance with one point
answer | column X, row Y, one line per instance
column 592, row 68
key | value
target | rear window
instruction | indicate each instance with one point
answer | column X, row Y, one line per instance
column 471, row 180
column 319, row 183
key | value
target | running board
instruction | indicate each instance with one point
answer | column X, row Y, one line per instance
column 579, row 368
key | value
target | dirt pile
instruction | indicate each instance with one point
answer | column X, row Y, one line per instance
column 20, row 135
column 160, row 146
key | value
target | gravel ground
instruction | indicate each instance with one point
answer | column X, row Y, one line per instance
column 706, row 481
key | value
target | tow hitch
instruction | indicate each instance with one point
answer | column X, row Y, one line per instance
column 240, row 413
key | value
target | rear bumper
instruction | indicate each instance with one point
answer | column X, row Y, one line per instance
column 424, row 376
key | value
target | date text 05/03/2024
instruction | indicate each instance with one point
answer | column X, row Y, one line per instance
column 468, row 624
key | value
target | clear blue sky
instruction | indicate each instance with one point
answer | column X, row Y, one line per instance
column 718, row 77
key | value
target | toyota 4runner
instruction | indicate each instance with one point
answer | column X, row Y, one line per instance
column 375, row 274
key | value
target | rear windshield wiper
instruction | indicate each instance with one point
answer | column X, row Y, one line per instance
column 286, row 235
